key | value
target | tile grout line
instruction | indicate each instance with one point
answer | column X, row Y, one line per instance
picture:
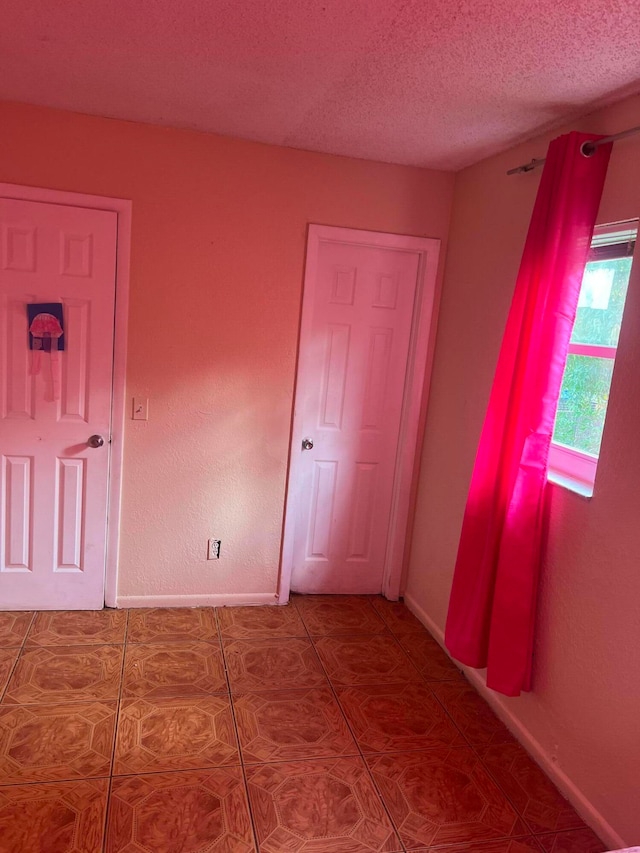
column 560, row 832
column 475, row 749
column 487, row 768
column 20, row 649
column 425, row 679
column 329, row 683
column 534, row 833
column 107, row 810
column 389, row 632
column 74, row 780
column 456, row 727
column 355, row 739
column 471, row 746
column 227, row 693
column 237, row 734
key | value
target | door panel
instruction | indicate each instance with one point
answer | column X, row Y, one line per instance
column 54, row 488
column 349, row 398
column 17, row 488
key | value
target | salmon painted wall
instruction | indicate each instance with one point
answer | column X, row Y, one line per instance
column 582, row 716
column 218, row 241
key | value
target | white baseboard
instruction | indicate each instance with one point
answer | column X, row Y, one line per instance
column 582, row 805
column 216, row 600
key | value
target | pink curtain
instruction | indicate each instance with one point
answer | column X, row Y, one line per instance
column 493, row 599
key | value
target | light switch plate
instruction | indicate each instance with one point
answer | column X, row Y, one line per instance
column 140, row 409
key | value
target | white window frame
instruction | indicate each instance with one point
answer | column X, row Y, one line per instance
column 569, row 467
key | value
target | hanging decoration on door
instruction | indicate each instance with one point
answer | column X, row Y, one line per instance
column 46, row 335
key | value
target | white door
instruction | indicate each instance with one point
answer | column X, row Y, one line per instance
column 54, row 484
column 355, row 343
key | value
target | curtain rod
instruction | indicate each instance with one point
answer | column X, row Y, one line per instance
column 587, row 149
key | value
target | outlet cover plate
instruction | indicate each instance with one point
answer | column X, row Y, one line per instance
column 140, row 409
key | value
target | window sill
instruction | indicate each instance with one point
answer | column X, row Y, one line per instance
column 585, row 490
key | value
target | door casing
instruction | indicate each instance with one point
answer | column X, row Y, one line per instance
column 122, row 207
column 415, row 395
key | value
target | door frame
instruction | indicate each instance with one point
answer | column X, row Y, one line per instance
column 416, row 393
column 122, row 207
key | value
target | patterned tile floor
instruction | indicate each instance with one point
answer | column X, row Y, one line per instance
column 333, row 724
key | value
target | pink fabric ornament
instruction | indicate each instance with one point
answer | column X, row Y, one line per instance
column 46, row 330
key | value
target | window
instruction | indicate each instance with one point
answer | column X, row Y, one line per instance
column 587, row 377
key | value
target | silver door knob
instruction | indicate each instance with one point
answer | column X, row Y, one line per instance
column 95, row 441
column 307, row 444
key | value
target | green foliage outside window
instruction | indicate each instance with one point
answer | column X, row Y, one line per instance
column 583, row 403
column 585, row 386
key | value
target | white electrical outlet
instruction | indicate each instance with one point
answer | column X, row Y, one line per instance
column 213, row 549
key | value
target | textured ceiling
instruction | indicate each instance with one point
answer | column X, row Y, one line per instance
column 437, row 83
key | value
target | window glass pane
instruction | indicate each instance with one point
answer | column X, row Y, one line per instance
column 601, row 302
column 583, row 403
